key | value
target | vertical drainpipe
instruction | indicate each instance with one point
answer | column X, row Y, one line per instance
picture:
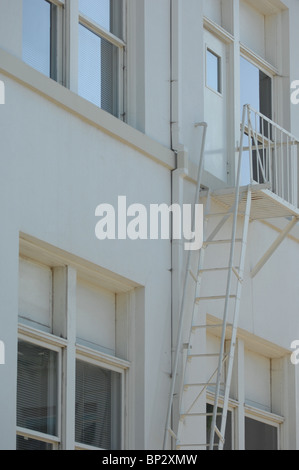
column 181, row 170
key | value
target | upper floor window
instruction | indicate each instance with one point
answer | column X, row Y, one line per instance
column 101, row 50
column 256, row 88
column 213, row 71
column 41, row 36
column 100, row 46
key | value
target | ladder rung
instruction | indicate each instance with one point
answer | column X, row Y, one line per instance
column 205, row 384
column 214, row 297
column 220, row 325
column 191, row 356
column 217, row 214
column 193, row 275
column 183, row 416
column 172, row 433
column 219, row 435
column 179, row 446
column 224, row 268
column 219, row 242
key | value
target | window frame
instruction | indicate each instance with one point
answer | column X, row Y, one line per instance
column 232, row 408
column 264, row 417
column 57, row 43
column 114, row 364
column 219, row 91
column 120, row 44
column 50, row 342
column 264, row 67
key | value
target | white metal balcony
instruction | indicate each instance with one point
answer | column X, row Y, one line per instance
column 271, row 155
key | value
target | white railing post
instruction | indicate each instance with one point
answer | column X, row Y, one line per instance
column 276, row 162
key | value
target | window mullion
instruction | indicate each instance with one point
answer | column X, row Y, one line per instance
column 71, row 44
column 97, row 29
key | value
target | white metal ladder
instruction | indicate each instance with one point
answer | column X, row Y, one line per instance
column 196, row 278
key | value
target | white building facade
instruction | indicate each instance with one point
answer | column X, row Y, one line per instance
column 101, row 99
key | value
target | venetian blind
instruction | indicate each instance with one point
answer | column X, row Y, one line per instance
column 37, row 388
column 93, row 405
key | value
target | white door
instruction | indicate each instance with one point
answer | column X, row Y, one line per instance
column 216, row 114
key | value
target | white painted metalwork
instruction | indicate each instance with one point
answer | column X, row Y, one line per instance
column 273, row 155
column 184, row 300
column 229, row 297
column 274, row 164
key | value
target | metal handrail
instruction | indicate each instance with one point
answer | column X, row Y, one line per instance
column 273, row 153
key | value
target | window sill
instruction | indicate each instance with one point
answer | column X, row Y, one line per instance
column 19, row 71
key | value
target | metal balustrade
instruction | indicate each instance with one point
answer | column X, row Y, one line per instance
column 273, row 155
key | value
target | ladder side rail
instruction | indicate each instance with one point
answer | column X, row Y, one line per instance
column 230, row 273
column 197, row 290
column 182, row 308
column 236, row 319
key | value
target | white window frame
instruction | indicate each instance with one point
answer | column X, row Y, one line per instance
column 113, row 364
column 59, row 43
column 209, row 49
column 47, row 341
column 265, row 417
column 232, row 408
column 114, row 40
column 264, row 67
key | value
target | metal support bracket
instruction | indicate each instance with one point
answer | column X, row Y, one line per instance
column 273, row 247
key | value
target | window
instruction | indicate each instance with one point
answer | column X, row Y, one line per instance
column 101, row 47
column 80, row 406
column 260, row 435
column 256, row 88
column 213, row 71
column 37, row 397
column 41, row 36
column 228, row 432
column 98, row 406
column 101, row 51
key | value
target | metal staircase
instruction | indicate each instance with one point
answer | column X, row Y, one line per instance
column 187, row 414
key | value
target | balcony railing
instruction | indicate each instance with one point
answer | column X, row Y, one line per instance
column 272, row 155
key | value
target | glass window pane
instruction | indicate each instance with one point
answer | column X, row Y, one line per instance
column 228, row 431
column 37, row 35
column 260, row 436
column 25, row 443
column 213, row 71
column 97, row 10
column 256, row 88
column 97, row 70
column 250, row 85
column 97, row 406
column 106, row 13
column 37, row 397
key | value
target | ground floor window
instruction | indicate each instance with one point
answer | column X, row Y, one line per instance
column 228, row 445
column 98, row 406
column 260, row 435
column 98, row 394
column 38, row 391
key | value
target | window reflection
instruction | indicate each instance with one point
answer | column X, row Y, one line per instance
column 213, row 77
column 37, row 34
